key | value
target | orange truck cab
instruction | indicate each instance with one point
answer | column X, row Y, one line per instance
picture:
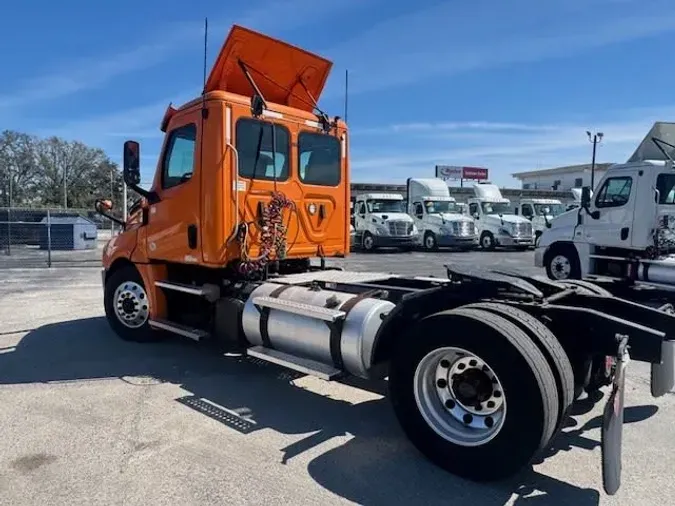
column 253, row 181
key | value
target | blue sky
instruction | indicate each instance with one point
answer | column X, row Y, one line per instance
column 505, row 85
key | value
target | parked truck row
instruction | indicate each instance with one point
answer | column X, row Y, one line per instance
column 252, row 188
column 429, row 218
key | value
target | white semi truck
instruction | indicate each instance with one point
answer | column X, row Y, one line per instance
column 540, row 212
column 381, row 220
column 495, row 222
column 438, row 219
column 625, row 232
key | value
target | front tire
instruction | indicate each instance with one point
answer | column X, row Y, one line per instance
column 368, row 242
column 127, row 307
column 430, row 243
column 487, row 241
column 480, row 401
column 562, row 263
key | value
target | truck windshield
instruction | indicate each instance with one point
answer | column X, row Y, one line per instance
column 496, row 207
column 553, row 209
column 385, row 206
column 441, row 206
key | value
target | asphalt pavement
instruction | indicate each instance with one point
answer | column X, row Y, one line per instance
column 88, row 419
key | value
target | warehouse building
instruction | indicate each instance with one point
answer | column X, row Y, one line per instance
column 561, row 178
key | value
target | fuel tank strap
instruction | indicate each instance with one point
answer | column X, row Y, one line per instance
column 336, row 327
column 265, row 315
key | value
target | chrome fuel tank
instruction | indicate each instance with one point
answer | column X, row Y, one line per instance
column 307, row 337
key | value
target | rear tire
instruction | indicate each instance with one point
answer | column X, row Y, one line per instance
column 530, row 397
column 548, row 344
column 127, row 307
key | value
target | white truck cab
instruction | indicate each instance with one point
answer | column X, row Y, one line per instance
column 540, row 212
column 381, row 220
column 438, row 219
column 495, row 222
column 626, row 229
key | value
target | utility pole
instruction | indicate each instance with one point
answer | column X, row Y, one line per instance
column 65, row 187
column 595, row 139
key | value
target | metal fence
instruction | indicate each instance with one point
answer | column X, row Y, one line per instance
column 52, row 237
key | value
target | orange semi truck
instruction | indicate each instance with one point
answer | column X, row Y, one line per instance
column 253, row 184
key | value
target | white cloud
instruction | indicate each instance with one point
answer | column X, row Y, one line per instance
column 523, row 147
column 456, row 37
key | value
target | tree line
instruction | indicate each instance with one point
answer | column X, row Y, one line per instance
column 54, row 172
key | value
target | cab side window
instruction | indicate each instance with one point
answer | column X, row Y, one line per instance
column 319, row 159
column 527, row 211
column 259, row 157
column 665, row 184
column 615, row 192
column 419, row 210
column 179, row 157
column 473, row 208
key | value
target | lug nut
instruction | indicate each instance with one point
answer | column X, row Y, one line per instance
column 491, row 404
column 445, row 364
column 478, row 407
column 467, row 419
column 450, row 404
column 473, row 363
column 496, row 393
column 441, row 383
column 489, row 422
column 461, row 366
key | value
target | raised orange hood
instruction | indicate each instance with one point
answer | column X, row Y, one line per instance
column 275, row 66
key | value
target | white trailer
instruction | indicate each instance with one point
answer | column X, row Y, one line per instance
column 381, row 220
column 495, row 222
column 438, row 219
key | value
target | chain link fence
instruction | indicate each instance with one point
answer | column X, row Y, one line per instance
column 44, row 237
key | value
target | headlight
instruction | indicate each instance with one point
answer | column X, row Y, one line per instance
column 505, row 231
column 381, row 230
column 445, row 231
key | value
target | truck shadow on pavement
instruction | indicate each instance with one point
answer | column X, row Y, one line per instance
column 376, row 466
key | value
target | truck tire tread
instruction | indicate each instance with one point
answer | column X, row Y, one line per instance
column 548, row 344
column 530, row 423
column 588, row 286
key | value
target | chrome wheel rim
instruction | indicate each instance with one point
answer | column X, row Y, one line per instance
column 561, row 267
column 367, row 242
column 459, row 396
column 131, row 305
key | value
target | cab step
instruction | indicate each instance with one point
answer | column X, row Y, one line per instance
column 210, row 292
column 303, row 365
column 177, row 328
column 300, row 308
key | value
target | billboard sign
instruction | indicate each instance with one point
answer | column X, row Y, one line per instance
column 446, row 172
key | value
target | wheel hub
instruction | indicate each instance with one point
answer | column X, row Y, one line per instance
column 459, row 396
column 131, row 304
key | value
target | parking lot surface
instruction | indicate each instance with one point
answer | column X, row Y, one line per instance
column 88, row 419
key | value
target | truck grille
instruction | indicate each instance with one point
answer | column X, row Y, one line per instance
column 524, row 229
column 400, row 227
column 463, row 228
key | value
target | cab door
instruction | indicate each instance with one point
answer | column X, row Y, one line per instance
column 173, row 225
column 321, row 162
column 615, row 202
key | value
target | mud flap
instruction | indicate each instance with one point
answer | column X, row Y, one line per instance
column 663, row 374
column 612, row 425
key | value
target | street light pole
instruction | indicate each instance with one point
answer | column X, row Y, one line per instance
column 594, row 138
